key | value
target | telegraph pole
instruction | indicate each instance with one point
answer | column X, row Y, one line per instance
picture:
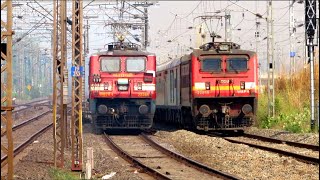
column 270, row 60
column 292, row 31
column 310, row 21
column 6, row 86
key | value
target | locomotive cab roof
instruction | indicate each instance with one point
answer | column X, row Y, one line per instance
column 220, row 48
column 123, row 49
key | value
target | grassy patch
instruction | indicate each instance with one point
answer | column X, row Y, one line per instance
column 292, row 103
column 59, row 174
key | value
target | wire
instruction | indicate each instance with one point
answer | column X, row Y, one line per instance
column 192, row 10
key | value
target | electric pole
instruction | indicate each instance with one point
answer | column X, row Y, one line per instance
column 77, row 85
column 6, row 85
column 310, row 21
column 228, row 37
column 59, row 80
column 146, row 27
column 292, row 31
column 270, row 59
column 257, row 37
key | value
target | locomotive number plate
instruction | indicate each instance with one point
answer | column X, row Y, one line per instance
column 105, row 94
column 143, row 94
column 224, row 81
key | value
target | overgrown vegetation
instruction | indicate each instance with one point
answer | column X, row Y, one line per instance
column 292, row 103
column 58, row 174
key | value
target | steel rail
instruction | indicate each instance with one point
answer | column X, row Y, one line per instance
column 133, row 160
column 188, row 161
column 27, row 106
column 28, row 121
column 23, row 145
column 300, row 157
column 291, row 143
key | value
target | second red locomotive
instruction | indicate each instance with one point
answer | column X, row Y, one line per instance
column 213, row 88
column 122, row 87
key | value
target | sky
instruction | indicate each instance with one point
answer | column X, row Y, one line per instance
column 173, row 25
column 171, row 21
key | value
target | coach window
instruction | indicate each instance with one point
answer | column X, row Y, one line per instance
column 237, row 64
column 211, row 64
column 135, row 64
column 110, row 64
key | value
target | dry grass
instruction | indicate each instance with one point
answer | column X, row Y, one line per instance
column 292, row 102
column 297, row 88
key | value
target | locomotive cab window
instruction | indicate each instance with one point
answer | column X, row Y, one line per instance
column 210, row 64
column 237, row 64
column 110, row 64
column 135, row 64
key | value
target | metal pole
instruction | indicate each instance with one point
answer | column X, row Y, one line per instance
column 227, row 26
column 311, row 49
column 59, row 59
column 268, row 53
column 6, row 87
column 77, row 86
column 310, row 21
column 257, row 36
column 273, row 62
column 146, row 26
column 291, row 37
column 318, row 115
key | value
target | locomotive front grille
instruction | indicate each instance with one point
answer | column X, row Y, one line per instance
column 124, row 121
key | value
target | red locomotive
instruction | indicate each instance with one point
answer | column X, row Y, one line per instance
column 213, row 88
column 122, row 87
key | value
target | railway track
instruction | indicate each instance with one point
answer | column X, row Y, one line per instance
column 27, row 133
column 253, row 141
column 290, row 143
column 24, row 123
column 25, row 144
column 21, row 107
column 160, row 162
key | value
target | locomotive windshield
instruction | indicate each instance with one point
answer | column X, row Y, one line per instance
column 135, row 64
column 211, row 64
column 110, row 64
column 237, row 64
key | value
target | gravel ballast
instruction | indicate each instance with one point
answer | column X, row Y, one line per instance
column 237, row 159
column 307, row 138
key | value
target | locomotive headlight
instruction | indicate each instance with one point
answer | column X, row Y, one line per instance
column 107, row 86
column 224, row 47
column 247, row 108
column 123, row 88
column 242, row 85
column 102, row 109
column 139, row 85
column 207, row 84
column 205, row 110
column 143, row 109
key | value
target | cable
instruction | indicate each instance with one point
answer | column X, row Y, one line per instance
column 193, row 10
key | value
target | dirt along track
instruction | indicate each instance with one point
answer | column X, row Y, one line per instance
column 138, row 150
